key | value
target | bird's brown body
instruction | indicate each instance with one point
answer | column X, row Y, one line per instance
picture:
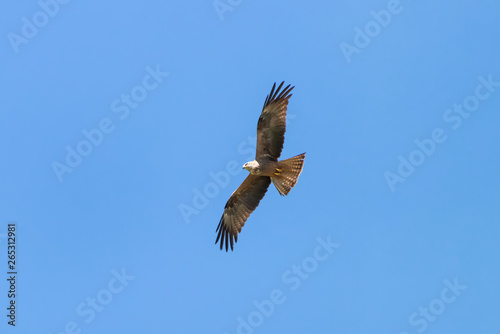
column 262, row 166
column 264, row 169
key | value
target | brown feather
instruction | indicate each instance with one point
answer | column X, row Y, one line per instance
column 239, row 207
column 271, row 126
column 271, row 129
column 290, row 170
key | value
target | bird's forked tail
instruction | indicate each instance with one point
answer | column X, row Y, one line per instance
column 287, row 172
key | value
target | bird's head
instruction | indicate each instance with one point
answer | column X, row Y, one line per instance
column 251, row 165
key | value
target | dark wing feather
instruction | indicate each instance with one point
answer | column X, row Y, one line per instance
column 272, row 123
column 239, row 207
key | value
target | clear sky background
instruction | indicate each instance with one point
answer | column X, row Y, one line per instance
column 122, row 122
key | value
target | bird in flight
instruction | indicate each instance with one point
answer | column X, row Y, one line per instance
column 264, row 169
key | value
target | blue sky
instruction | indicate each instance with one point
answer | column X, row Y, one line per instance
column 123, row 122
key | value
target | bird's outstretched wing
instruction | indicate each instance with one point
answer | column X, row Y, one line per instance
column 239, row 207
column 272, row 123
